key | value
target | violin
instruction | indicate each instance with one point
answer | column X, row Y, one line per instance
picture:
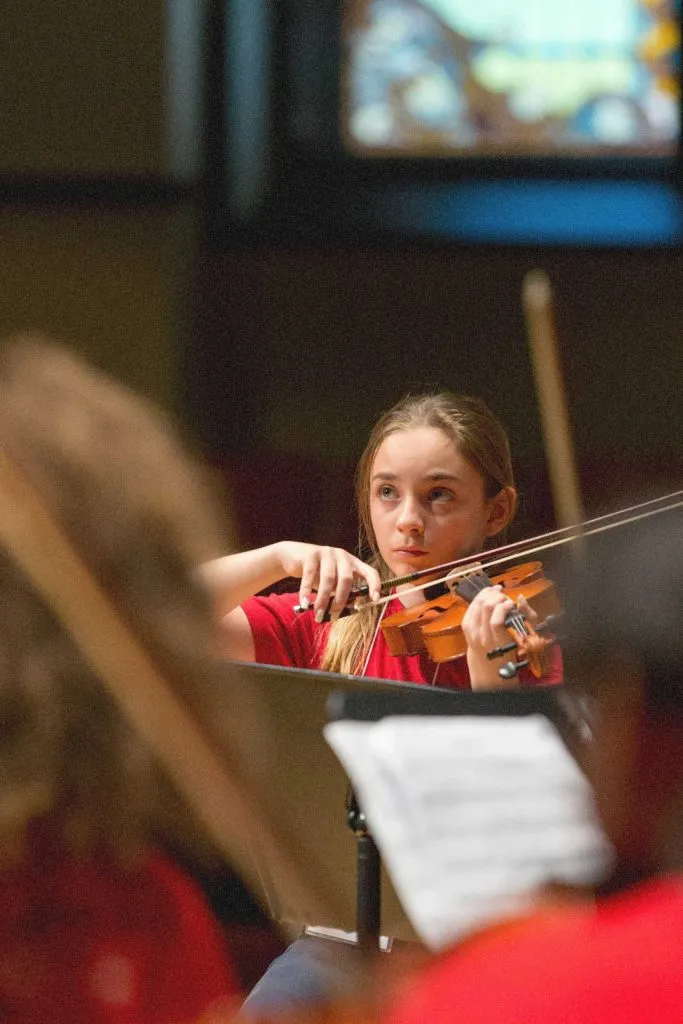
column 435, row 626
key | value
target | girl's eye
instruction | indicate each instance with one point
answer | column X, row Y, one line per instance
column 440, row 494
column 386, row 491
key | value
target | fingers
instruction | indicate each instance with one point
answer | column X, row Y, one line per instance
column 313, row 590
column 345, row 580
column 328, row 575
column 349, row 570
column 371, row 577
column 335, row 577
column 484, row 621
column 526, row 610
column 309, row 576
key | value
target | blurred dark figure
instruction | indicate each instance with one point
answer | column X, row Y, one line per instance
column 98, row 925
column 617, row 959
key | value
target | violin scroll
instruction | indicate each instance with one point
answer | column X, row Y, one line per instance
column 532, row 648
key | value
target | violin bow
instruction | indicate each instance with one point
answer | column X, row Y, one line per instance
column 537, row 301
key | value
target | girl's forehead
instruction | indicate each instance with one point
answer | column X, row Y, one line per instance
column 417, row 445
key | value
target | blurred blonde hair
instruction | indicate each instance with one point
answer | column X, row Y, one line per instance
column 476, row 434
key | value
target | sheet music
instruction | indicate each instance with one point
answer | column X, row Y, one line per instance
column 472, row 816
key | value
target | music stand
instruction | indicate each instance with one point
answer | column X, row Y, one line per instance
column 273, row 720
column 373, row 705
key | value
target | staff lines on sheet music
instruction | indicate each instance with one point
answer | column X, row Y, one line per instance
column 482, row 821
column 468, row 784
column 474, row 798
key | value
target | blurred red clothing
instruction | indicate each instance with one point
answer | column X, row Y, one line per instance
column 85, row 941
column 619, row 963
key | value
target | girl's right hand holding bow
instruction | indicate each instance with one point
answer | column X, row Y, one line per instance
column 327, row 575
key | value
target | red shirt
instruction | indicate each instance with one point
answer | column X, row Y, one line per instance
column 283, row 637
column 617, row 964
column 84, row 941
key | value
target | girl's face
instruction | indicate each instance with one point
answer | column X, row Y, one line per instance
column 427, row 503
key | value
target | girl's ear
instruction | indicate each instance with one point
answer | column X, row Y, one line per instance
column 501, row 511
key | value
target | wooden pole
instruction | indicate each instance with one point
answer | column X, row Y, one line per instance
column 555, row 423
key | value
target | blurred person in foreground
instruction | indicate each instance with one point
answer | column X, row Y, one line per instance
column 618, row 959
column 98, row 925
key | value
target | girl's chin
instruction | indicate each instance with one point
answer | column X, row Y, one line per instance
column 402, row 565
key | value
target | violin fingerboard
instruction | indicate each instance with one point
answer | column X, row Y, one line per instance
column 468, row 587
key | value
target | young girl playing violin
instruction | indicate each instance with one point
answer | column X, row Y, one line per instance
column 433, row 485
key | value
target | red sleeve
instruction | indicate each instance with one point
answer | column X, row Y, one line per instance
column 281, row 636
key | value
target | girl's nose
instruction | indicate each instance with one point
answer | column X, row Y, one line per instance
column 410, row 518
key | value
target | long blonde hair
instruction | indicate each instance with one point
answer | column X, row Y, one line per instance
column 479, row 437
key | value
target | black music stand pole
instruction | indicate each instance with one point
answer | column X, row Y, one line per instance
column 368, row 879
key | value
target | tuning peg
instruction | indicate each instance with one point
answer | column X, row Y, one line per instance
column 511, row 669
column 498, row 652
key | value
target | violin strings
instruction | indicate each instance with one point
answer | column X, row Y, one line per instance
column 559, row 541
